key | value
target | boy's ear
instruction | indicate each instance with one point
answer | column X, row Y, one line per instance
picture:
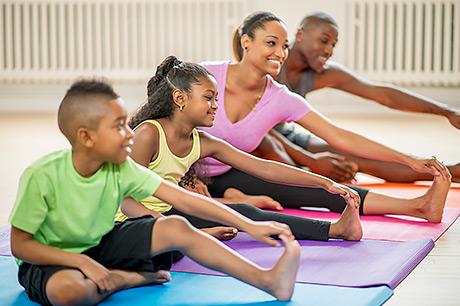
column 179, row 98
column 85, row 137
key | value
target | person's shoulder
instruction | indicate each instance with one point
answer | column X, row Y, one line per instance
column 50, row 159
column 277, row 89
column 332, row 66
column 214, row 66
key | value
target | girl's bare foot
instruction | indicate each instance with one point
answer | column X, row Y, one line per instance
column 348, row 227
column 431, row 205
column 263, row 202
column 223, row 233
column 280, row 280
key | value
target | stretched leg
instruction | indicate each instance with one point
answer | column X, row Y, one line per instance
column 389, row 171
column 70, row 286
column 288, row 196
column 348, row 227
column 174, row 232
column 429, row 206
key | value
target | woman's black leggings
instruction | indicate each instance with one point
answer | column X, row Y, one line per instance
column 302, row 228
column 288, row 196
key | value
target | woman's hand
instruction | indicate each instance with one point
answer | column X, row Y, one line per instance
column 430, row 165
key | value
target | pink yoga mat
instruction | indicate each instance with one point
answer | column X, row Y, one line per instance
column 365, row 263
column 394, row 228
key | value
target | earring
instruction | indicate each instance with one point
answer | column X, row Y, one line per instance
column 245, row 48
column 181, row 107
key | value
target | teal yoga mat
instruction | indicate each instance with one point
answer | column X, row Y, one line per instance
column 193, row 289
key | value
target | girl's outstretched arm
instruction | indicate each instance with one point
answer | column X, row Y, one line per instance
column 353, row 143
column 270, row 170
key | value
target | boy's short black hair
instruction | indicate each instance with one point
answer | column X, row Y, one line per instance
column 84, row 104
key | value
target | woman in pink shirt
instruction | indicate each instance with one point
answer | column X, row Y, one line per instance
column 251, row 103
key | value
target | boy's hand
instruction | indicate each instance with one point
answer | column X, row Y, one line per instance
column 99, row 274
column 264, row 230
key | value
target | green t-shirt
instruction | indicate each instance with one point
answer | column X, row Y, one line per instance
column 64, row 210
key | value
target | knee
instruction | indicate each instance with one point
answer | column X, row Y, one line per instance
column 67, row 291
column 175, row 224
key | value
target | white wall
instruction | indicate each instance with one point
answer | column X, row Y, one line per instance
column 46, row 98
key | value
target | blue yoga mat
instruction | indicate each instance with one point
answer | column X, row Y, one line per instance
column 195, row 289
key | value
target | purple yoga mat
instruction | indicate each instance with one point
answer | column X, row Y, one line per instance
column 364, row 263
column 5, row 233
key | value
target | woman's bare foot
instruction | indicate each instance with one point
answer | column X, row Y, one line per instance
column 348, row 227
column 430, row 206
column 455, row 171
column 233, row 195
column 280, row 280
column 223, row 233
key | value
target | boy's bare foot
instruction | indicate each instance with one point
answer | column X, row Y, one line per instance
column 280, row 280
column 263, row 202
column 223, row 233
column 128, row 279
column 348, row 227
column 431, row 205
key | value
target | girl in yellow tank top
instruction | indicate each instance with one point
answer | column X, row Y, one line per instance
column 181, row 97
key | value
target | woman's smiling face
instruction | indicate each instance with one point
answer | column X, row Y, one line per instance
column 269, row 48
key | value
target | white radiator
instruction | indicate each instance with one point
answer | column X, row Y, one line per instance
column 53, row 41
column 414, row 43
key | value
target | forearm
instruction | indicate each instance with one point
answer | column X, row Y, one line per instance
column 401, row 99
column 200, row 206
column 132, row 209
column 285, row 174
column 25, row 248
column 364, row 147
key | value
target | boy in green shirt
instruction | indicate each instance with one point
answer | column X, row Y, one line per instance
column 63, row 234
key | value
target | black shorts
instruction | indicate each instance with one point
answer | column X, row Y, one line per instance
column 126, row 247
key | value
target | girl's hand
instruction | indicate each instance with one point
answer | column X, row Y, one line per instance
column 263, row 231
column 349, row 195
column 431, row 165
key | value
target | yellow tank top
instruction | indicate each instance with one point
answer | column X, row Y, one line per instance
column 169, row 166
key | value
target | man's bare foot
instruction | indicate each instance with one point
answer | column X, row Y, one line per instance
column 455, row 171
column 129, row 279
column 431, row 205
column 280, row 280
column 223, row 233
column 348, row 227
column 263, row 202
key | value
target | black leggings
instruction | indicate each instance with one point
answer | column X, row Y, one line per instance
column 302, row 228
column 288, row 196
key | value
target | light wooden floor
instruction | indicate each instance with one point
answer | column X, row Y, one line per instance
column 436, row 281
